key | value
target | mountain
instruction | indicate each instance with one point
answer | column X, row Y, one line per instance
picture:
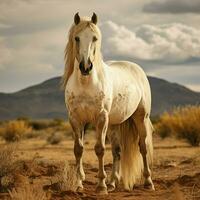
column 46, row 100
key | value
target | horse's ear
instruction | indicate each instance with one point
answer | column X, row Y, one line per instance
column 94, row 18
column 77, row 18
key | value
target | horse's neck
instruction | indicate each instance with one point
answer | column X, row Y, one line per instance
column 96, row 75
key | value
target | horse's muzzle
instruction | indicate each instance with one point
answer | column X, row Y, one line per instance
column 85, row 72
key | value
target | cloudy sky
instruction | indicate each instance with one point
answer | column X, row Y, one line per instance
column 163, row 36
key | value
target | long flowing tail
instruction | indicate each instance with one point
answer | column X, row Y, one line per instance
column 131, row 159
column 149, row 142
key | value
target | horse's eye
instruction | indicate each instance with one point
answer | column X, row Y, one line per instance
column 77, row 39
column 94, row 39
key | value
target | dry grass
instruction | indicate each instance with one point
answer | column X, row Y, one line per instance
column 7, row 167
column 44, row 124
column 41, row 124
column 67, row 178
column 14, row 130
column 28, row 192
column 65, row 127
column 178, row 194
column 55, row 130
column 55, row 138
column 182, row 123
column 6, row 159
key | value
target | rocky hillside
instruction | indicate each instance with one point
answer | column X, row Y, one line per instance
column 46, row 100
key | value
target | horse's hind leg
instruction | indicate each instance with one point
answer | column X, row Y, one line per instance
column 78, row 150
column 140, row 117
column 115, row 175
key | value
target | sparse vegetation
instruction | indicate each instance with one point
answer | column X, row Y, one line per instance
column 52, row 130
column 28, row 192
column 55, row 138
column 40, row 124
column 28, row 174
column 14, row 130
column 65, row 127
column 182, row 123
column 44, row 124
column 67, row 178
column 33, row 170
column 7, row 166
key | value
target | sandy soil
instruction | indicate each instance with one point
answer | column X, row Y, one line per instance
column 176, row 170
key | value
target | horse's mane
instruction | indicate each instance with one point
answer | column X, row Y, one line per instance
column 70, row 49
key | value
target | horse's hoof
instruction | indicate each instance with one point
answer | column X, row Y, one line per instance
column 79, row 189
column 149, row 186
column 101, row 190
column 110, row 188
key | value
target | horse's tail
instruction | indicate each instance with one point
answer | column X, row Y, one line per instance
column 149, row 142
column 131, row 159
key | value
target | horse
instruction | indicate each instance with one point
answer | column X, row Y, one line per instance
column 115, row 97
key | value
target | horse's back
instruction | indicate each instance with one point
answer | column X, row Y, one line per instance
column 126, row 66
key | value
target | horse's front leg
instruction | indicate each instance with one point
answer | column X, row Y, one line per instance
column 101, row 129
column 78, row 130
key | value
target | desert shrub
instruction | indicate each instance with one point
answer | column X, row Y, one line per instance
column 14, row 130
column 155, row 119
column 26, row 119
column 57, row 122
column 44, row 124
column 28, row 192
column 1, row 130
column 182, row 122
column 7, row 166
column 66, row 128
column 39, row 124
column 67, row 178
column 163, row 125
column 55, row 138
column 33, row 134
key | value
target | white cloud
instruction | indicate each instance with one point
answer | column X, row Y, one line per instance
column 31, row 58
column 33, row 35
column 167, row 43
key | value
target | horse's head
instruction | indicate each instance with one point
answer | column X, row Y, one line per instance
column 84, row 46
column 86, row 39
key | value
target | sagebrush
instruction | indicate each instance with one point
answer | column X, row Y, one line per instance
column 7, row 166
column 28, row 192
column 182, row 122
column 14, row 130
column 67, row 178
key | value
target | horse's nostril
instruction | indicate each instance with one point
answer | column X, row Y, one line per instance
column 81, row 65
column 91, row 66
column 83, row 70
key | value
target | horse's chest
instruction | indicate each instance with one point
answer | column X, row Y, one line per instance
column 85, row 106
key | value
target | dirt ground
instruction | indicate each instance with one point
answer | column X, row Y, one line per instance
column 176, row 170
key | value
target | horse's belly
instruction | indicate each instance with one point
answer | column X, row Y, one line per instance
column 119, row 114
column 123, row 106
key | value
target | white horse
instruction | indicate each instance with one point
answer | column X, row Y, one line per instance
column 112, row 96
